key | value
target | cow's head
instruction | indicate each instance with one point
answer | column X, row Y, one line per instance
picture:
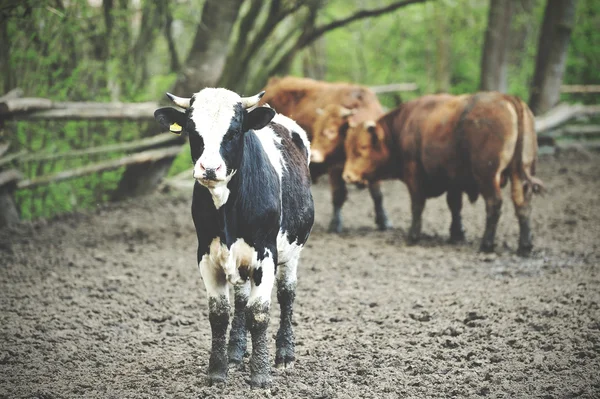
column 329, row 131
column 366, row 152
column 215, row 120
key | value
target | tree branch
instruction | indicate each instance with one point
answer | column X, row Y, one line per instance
column 319, row 31
column 310, row 35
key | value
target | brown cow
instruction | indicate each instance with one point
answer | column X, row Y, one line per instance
column 312, row 103
column 454, row 144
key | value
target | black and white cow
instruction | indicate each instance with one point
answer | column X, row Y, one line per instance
column 253, row 212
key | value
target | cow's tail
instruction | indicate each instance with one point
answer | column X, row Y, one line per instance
column 530, row 182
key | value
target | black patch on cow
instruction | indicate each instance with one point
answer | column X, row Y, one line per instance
column 257, row 275
column 297, row 140
column 244, row 272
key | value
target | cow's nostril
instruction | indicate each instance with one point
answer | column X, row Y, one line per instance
column 218, row 167
column 202, row 166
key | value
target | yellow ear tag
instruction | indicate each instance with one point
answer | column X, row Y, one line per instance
column 175, row 128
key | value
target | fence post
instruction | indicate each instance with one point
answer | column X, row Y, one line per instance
column 8, row 209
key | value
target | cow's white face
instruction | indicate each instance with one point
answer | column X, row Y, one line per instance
column 216, row 115
column 215, row 120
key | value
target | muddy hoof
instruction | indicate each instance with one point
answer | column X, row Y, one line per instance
column 284, row 360
column 335, row 226
column 486, row 247
column 413, row 238
column 235, row 364
column 383, row 224
column 457, row 238
column 524, row 250
column 260, row 380
column 217, row 380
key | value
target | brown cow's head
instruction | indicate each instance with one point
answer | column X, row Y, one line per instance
column 366, row 152
column 329, row 131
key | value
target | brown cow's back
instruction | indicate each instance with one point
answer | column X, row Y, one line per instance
column 301, row 98
column 459, row 140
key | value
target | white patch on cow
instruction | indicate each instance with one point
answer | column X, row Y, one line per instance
column 261, row 294
column 292, row 126
column 268, row 139
column 240, row 254
column 286, row 251
column 211, row 269
column 212, row 113
column 287, row 260
column 218, row 189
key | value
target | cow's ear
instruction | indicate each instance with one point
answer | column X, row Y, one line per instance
column 170, row 119
column 258, row 118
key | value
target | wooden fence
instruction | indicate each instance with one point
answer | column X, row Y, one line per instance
column 149, row 159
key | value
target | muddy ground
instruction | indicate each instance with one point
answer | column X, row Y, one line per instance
column 110, row 304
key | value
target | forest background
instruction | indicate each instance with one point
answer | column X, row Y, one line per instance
column 136, row 50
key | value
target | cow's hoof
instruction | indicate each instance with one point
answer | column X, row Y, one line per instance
column 413, row 238
column 235, row 364
column 284, row 360
column 486, row 247
column 289, row 364
column 524, row 250
column 457, row 238
column 335, row 226
column 218, row 380
column 383, row 224
column 260, row 380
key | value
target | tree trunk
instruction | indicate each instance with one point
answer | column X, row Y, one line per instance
column 559, row 17
column 206, row 60
column 494, row 60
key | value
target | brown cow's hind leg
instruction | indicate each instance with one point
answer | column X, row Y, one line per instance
column 521, row 197
column 454, row 201
column 417, row 200
column 493, row 205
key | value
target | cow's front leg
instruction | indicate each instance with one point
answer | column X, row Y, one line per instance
column 339, row 194
column 218, row 315
column 286, row 293
column 257, row 320
column 237, row 335
column 381, row 218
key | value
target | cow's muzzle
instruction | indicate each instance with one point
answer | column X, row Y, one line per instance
column 316, row 156
column 350, row 177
